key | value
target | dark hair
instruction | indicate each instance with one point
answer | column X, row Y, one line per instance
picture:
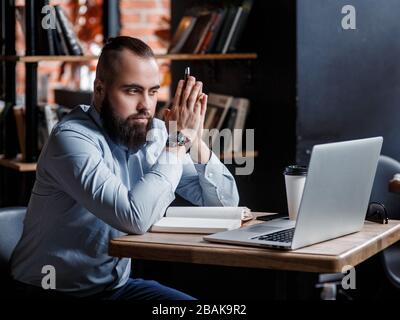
column 114, row 46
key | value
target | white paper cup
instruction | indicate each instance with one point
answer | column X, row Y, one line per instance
column 295, row 178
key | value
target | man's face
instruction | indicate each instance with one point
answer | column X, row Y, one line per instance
column 129, row 99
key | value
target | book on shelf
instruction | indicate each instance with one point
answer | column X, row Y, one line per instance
column 228, row 124
column 220, row 103
column 203, row 220
column 61, row 40
column 44, row 36
column 182, row 33
column 217, row 108
column 206, row 34
column 211, row 29
column 210, row 114
column 198, row 33
column 237, row 125
column 62, row 47
column 70, row 37
column 225, row 28
column 226, row 112
column 233, row 27
column 209, row 44
column 239, row 30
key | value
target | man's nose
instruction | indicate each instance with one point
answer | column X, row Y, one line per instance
column 144, row 103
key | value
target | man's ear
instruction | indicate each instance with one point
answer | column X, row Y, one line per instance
column 99, row 88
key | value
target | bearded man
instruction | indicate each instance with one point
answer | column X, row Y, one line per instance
column 112, row 169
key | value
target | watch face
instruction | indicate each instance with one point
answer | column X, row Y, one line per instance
column 181, row 138
column 178, row 140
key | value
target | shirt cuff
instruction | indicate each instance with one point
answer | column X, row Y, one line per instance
column 169, row 166
column 212, row 170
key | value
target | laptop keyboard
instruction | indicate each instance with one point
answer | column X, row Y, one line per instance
column 279, row 236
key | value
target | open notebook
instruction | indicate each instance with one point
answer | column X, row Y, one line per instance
column 201, row 219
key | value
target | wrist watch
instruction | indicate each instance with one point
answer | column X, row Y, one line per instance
column 178, row 139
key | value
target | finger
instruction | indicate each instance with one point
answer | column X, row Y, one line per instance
column 201, row 89
column 198, row 103
column 166, row 113
column 188, row 89
column 204, row 105
column 178, row 93
column 196, row 91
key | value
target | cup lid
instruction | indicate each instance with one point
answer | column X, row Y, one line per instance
column 296, row 170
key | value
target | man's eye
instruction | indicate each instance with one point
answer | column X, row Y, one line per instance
column 153, row 92
column 133, row 91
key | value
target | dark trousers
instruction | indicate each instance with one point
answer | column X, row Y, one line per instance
column 134, row 289
column 139, row 289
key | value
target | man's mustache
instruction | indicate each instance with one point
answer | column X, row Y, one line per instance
column 142, row 115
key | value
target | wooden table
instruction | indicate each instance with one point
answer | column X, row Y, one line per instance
column 326, row 257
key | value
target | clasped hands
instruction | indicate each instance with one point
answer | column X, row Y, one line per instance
column 187, row 116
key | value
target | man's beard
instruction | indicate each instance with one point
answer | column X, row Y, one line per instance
column 125, row 132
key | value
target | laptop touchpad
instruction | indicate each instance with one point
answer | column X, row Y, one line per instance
column 260, row 228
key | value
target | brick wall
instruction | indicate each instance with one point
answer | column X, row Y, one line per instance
column 139, row 18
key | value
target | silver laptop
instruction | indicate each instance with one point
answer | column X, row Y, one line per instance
column 334, row 202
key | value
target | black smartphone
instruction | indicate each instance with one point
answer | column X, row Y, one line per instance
column 272, row 216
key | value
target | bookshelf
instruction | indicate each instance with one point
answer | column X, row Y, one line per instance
column 16, row 163
column 269, row 82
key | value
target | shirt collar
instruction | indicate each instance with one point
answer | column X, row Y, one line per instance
column 95, row 115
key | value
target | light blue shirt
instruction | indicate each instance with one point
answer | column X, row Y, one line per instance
column 89, row 190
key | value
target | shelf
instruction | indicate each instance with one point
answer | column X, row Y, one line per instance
column 209, row 56
column 21, row 166
column 238, row 155
column 17, row 164
column 48, row 58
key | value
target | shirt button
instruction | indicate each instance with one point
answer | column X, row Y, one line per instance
column 222, row 197
column 210, row 175
column 156, row 154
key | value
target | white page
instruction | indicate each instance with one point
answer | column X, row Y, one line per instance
column 194, row 225
column 206, row 212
